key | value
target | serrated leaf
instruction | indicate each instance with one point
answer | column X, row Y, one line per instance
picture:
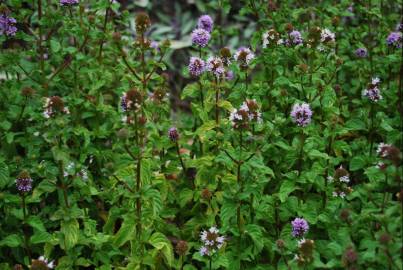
column 70, row 230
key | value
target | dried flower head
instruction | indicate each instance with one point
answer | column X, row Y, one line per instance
column 181, row 248
column 7, row 25
column 200, row 37
column 24, row 182
column 173, row 134
column 41, row 264
column 305, row 248
column 299, row 227
column 301, row 114
column 142, row 22
column 196, row 66
column 212, row 241
column 205, row 22
column 385, row 238
column 247, row 113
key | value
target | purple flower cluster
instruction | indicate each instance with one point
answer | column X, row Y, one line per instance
column 205, row 22
column 301, row 114
column 361, row 52
column 196, row 66
column 271, row 38
column 299, row 227
column 200, row 37
column 7, row 25
column 212, row 241
column 295, row 38
column 69, row 2
column 24, row 183
column 394, row 39
column 373, row 92
column 173, row 134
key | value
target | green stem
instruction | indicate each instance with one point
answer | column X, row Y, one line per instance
column 301, row 152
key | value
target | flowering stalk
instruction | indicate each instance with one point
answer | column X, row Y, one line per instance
column 106, row 17
column 301, row 152
column 41, row 59
column 63, row 184
column 217, row 96
column 179, row 156
column 371, row 130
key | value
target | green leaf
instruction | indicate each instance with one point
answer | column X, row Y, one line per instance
column 4, row 175
column 286, row 188
column 70, row 230
column 256, row 233
column 191, row 90
column 185, row 196
column 126, row 231
column 160, row 242
column 357, row 162
column 12, row 240
column 40, row 237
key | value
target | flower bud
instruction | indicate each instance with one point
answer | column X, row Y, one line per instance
column 280, row 243
column 123, row 133
column 173, row 134
column 206, row 194
column 117, row 36
column 27, row 92
column 142, row 22
column 181, row 248
column 384, row 239
column 289, row 27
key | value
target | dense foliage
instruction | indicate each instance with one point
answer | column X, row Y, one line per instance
column 201, row 134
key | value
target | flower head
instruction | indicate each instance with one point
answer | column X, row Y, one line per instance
column 327, row 36
column 53, row 106
column 299, row 227
column 246, row 114
column 24, row 182
column 212, row 241
column 270, row 38
column 215, row 65
column 7, row 25
column 69, row 2
column 200, row 37
column 301, row 114
column 205, row 22
column 394, row 39
column 42, row 264
column 196, row 66
column 361, row 52
column 295, row 37
column 131, row 100
column 173, row 134
column 244, row 56
column 373, row 92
